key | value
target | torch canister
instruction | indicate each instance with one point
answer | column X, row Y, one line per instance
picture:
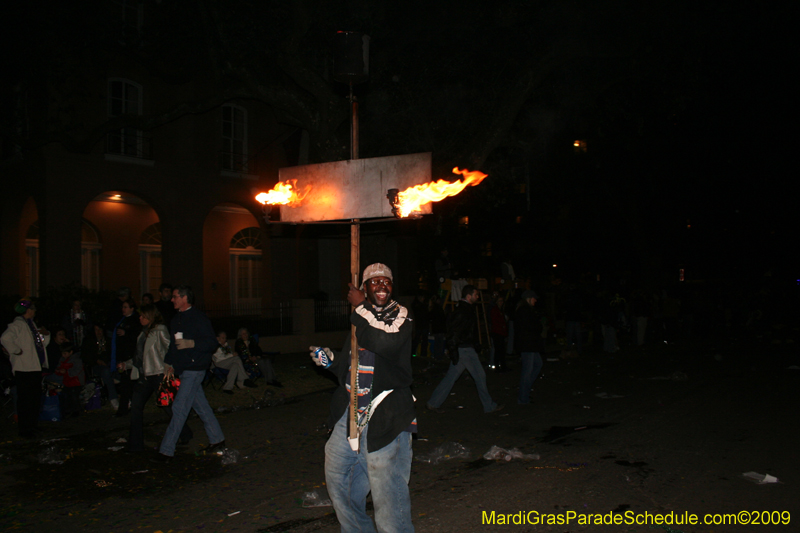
column 322, row 356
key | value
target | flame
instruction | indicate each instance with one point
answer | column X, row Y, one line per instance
column 412, row 198
column 284, row 193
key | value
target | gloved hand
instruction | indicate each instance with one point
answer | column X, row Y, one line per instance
column 183, row 344
column 316, row 360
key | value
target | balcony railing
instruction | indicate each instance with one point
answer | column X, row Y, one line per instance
column 233, row 162
column 130, row 143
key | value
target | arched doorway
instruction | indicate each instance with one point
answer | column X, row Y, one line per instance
column 131, row 243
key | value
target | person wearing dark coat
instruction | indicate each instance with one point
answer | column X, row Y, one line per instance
column 123, row 348
column 529, row 342
column 192, row 345
column 462, row 346
column 379, row 460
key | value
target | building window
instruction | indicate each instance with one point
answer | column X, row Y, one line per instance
column 150, row 258
column 234, row 139
column 90, row 257
column 125, row 98
column 129, row 14
column 246, row 261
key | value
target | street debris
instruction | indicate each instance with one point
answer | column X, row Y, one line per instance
column 317, row 498
column 606, row 395
column 51, row 456
column 448, row 450
column 501, row 454
column 229, row 456
column 761, row 479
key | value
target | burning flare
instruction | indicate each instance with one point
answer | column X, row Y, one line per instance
column 412, row 198
column 284, row 193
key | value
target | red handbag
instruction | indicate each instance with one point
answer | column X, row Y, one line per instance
column 167, row 391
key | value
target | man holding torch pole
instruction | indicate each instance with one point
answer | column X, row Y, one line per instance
column 379, row 460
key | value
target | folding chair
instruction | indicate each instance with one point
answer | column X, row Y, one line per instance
column 217, row 376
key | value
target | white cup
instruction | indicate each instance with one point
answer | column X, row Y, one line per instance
column 178, row 335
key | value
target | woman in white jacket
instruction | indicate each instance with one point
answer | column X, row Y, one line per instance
column 147, row 371
column 25, row 344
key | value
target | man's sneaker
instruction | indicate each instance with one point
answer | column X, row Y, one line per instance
column 497, row 408
column 114, row 403
column 250, row 383
column 429, row 407
column 216, row 448
column 161, row 458
column 227, row 391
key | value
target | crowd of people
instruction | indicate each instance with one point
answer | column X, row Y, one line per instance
column 124, row 357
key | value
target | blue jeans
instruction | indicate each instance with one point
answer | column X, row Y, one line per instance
column 467, row 359
column 574, row 334
column 531, row 366
column 349, row 477
column 190, row 396
column 609, row 339
column 142, row 391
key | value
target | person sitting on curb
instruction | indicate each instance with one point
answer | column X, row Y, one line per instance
column 227, row 359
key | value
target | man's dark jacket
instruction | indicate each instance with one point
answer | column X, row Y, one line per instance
column 195, row 326
column 528, row 330
column 387, row 333
column 462, row 329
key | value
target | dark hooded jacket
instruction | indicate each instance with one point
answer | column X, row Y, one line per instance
column 387, row 333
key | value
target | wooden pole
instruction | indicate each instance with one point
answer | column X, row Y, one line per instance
column 355, row 265
column 355, row 261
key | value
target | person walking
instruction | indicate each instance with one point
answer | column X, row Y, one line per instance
column 147, row 372
column 529, row 342
column 462, row 344
column 189, row 357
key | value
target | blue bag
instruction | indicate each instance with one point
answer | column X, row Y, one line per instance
column 51, row 408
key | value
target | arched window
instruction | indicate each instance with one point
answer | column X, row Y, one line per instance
column 150, row 258
column 246, row 261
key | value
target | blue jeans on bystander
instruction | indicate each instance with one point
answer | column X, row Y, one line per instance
column 467, row 360
column 190, row 396
column 531, row 366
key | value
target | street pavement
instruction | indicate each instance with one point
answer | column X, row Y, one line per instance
column 659, row 432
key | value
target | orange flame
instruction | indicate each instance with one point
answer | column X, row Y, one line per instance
column 284, row 193
column 412, row 198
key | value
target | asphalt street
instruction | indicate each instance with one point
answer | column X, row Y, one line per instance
column 645, row 439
